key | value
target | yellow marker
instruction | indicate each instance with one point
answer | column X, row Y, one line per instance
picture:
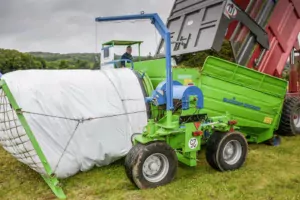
column 268, row 120
column 187, row 81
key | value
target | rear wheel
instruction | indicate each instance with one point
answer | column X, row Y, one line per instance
column 151, row 165
column 226, row 151
column 290, row 117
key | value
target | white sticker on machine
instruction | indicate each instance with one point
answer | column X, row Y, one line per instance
column 193, row 143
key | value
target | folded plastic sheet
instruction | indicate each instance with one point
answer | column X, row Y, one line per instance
column 80, row 118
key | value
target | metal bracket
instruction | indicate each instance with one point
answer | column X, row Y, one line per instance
column 51, row 180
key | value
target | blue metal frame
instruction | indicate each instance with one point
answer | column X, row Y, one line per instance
column 180, row 92
column 165, row 34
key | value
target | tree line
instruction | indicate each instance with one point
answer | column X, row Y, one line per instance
column 12, row 60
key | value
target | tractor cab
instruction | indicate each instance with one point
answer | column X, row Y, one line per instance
column 109, row 58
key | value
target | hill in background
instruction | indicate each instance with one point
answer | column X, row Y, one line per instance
column 52, row 57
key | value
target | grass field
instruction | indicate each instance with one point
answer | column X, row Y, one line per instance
column 270, row 173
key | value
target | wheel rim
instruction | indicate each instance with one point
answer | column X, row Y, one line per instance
column 155, row 167
column 232, row 152
column 296, row 118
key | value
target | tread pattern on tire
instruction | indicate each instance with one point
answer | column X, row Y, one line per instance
column 137, row 155
column 216, row 141
column 211, row 149
column 286, row 127
column 131, row 156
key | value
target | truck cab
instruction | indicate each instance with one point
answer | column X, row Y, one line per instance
column 109, row 58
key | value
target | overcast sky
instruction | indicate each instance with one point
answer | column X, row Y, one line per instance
column 65, row 26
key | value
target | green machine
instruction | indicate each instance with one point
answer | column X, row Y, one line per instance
column 252, row 100
column 224, row 106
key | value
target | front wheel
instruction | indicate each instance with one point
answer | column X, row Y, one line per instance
column 226, row 151
column 151, row 165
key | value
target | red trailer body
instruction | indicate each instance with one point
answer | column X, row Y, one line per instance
column 283, row 28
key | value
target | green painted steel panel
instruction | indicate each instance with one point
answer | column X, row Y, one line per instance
column 253, row 98
column 228, row 71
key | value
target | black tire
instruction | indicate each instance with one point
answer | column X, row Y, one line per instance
column 136, row 158
column 210, row 146
column 216, row 145
column 130, row 158
column 287, row 126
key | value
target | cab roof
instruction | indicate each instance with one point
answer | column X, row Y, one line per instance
column 122, row 42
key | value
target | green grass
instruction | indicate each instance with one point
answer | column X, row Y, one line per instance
column 270, row 173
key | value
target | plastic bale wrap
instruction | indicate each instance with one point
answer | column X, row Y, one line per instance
column 79, row 118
